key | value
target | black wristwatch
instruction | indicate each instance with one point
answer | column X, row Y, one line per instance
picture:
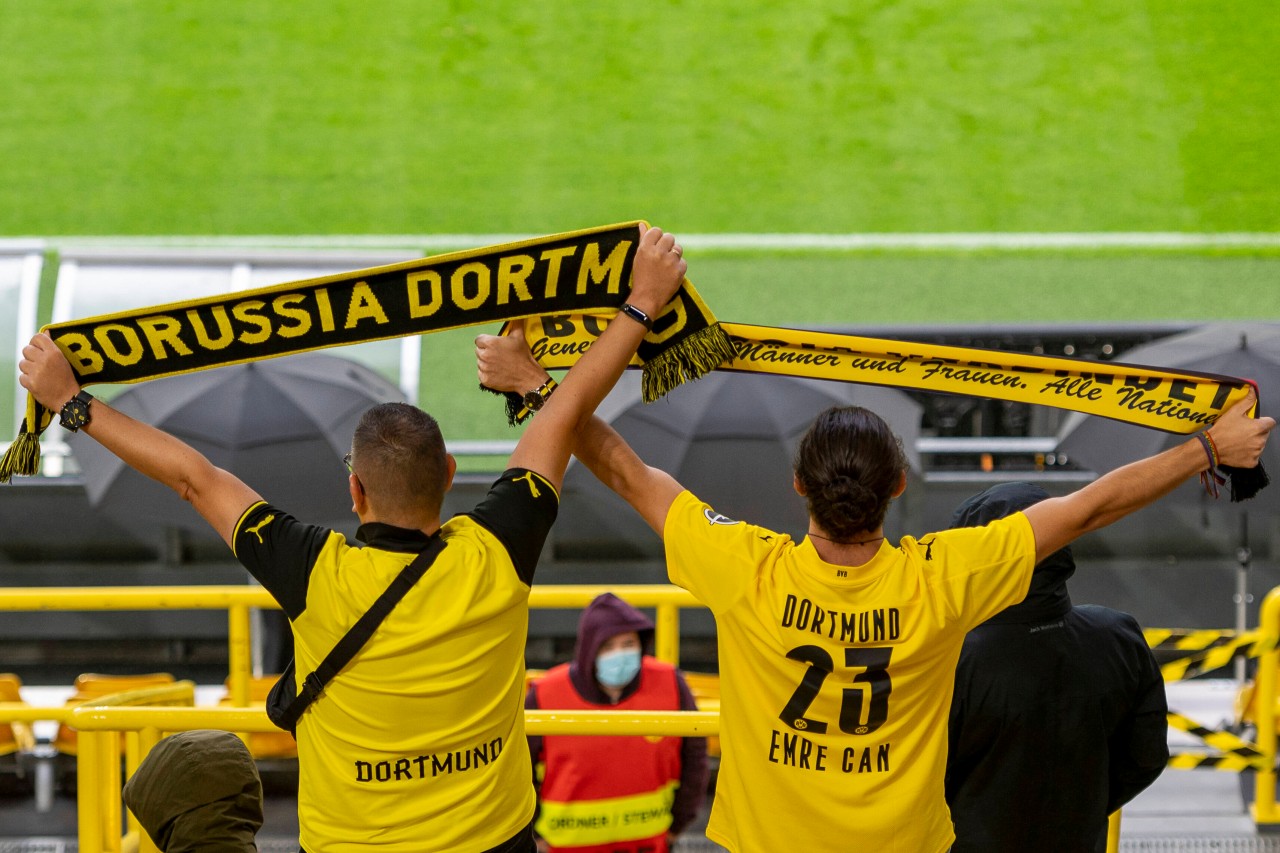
column 75, row 412
column 537, row 398
column 636, row 314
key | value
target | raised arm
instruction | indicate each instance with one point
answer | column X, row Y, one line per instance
column 549, row 438
column 505, row 364
column 1059, row 521
column 219, row 497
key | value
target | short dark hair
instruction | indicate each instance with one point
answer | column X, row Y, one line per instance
column 398, row 453
column 849, row 462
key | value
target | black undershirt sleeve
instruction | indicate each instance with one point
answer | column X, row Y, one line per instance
column 519, row 509
column 280, row 552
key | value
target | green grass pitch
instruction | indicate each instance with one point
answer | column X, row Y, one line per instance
column 148, row 117
column 398, row 116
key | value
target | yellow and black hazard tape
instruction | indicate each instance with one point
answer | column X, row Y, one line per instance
column 1185, row 640
column 1233, row 752
column 1209, row 761
column 1207, row 650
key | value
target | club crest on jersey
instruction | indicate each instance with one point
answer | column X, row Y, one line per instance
column 714, row 517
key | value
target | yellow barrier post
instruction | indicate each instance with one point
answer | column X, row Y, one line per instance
column 240, row 649
column 1113, row 832
column 1265, row 815
column 147, row 740
column 88, row 805
column 109, row 787
column 667, row 633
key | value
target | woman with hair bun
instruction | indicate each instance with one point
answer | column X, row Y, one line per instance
column 837, row 653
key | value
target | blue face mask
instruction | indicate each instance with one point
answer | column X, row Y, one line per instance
column 616, row 669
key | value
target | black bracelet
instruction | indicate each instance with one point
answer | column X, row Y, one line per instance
column 639, row 316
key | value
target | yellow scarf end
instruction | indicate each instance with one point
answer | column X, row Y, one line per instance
column 22, row 457
column 692, row 358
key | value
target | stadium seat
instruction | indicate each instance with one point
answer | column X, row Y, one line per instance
column 14, row 737
column 90, row 686
column 17, row 743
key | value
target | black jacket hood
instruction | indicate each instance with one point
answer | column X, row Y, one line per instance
column 1047, row 598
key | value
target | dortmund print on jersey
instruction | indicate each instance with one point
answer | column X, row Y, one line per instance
column 836, row 680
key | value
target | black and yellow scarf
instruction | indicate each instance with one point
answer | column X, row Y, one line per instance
column 565, row 288
column 582, row 272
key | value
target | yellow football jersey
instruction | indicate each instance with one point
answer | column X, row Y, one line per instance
column 418, row 745
column 836, row 681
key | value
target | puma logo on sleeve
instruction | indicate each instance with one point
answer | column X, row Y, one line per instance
column 533, row 486
column 256, row 530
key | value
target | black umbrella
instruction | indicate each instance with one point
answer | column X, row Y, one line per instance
column 728, row 438
column 281, row 425
column 1242, row 350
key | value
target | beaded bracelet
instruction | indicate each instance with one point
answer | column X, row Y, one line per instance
column 1210, row 478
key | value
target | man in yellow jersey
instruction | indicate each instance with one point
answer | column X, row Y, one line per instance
column 837, row 653
column 419, row 744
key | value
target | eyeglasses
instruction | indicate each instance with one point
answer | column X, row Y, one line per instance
column 346, row 460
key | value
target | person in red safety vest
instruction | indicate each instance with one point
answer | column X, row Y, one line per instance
column 605, row 794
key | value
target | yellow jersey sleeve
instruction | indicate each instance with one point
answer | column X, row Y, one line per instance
column 988, row 568
column 712, row 556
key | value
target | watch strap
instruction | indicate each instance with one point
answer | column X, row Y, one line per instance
column 636, row 314
column 543, row 391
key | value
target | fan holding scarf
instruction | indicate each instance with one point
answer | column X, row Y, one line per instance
column 418, row 744
column 837, row 653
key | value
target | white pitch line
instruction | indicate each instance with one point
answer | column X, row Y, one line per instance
column 801, row 242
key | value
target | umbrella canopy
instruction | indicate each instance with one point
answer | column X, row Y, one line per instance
column 1243, row 350
column 728, row 438
column 282, row 426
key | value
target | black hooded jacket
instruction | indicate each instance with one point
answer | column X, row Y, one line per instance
column 198, row 792
column 1059, row 714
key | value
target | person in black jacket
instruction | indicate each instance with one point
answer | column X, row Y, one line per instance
column 1059, row 716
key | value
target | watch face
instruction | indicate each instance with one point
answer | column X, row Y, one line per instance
column 74, row 414
column 533, row 401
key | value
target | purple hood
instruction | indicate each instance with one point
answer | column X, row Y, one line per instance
column 604, row 618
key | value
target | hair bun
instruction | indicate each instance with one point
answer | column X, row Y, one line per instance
column 847, row 506
column 846, row 490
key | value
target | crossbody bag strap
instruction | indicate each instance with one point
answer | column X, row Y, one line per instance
column 355, row 638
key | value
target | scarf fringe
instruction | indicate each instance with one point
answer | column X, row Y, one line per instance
column 22, row 457
column 691, row 358
column 514, row 404
column 1245, row 482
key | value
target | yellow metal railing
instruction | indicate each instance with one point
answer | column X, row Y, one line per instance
column 98, row 780
column 102, row 723
column 141, row 726
column 238, row 601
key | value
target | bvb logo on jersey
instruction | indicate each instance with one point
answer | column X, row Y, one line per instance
column 714, row 517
